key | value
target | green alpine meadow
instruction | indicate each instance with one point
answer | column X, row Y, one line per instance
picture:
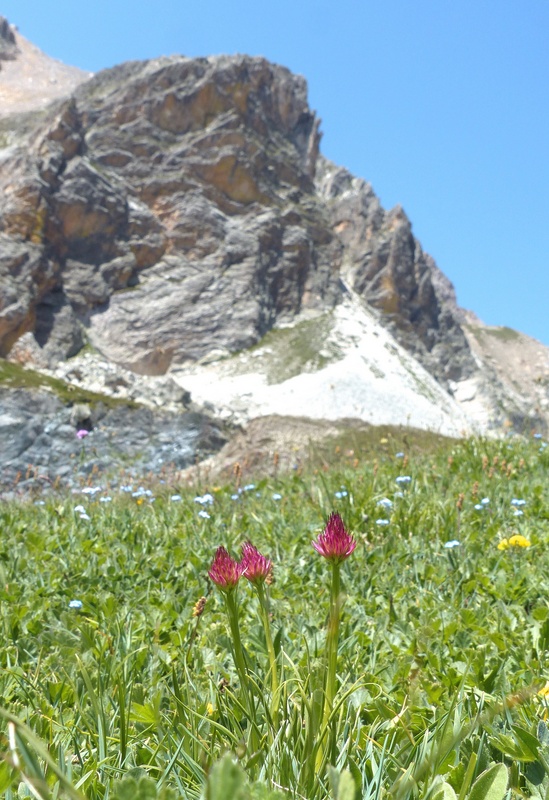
column 376, row 629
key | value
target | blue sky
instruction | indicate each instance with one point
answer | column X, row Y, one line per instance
column 443, row 105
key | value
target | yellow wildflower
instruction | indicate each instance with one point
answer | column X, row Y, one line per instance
column 518, row 540
column 504, row 544
column 210, row 710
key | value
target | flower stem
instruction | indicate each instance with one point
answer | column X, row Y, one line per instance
column 330, row 684
column 264, row 612
column 238, row 651
column 333, row 641
column 241, row 668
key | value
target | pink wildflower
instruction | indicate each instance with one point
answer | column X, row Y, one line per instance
column 225, row 572
column 335, row 543
column 81, row 434
column 256, row 568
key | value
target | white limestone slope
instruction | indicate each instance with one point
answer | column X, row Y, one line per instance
column 340, row 365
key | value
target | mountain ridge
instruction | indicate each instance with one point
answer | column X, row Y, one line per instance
column 168, row 214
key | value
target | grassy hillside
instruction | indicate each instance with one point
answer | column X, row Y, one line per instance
column 127, row 673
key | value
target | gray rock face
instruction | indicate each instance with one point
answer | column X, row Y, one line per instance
column 173, row 211
column 39, row 444
column 170, row 210
column 384, row 263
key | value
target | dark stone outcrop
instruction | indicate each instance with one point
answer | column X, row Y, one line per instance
column 385, row 264
column 40, row 448
column 8, row 45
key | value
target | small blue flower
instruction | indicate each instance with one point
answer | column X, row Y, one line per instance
column 235, row 497
column 203, row 514
column 485, row 501
column 382, row 522
column 80, row 509
column 75, row 604
column 248, row 487
column 84, row 516
column 479, row 507
column 127, row 488
column 39, row 503
column 399, row 455
column 403, row 479
column 451, row 544
column 175, row 498
column 91, row 490
column 107, row 499
column 516, row 502
column 204, row 500
column 277, row 496
column 398, row 494
column 341, row 494
column 518, row 513
column 385, row 503
column 538, row 436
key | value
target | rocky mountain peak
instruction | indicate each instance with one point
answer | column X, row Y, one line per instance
column 166, row 185
column 8, row 44
column 169, row 214
column 385, row 264
column 29, row 79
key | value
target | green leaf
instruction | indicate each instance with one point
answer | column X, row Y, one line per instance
column 347, row 786
column 535, row 772
column 260, row 791
column 444, row 792
column 513, row 749
column 491, row 784
column 226, row 780
column 357, row 776
column 146, row 715
column 125, row 789
column 342, row 784
column 146, row 789
column 528, row 741
column 5, row 776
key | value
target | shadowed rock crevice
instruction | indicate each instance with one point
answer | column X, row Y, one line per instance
column 8, row 44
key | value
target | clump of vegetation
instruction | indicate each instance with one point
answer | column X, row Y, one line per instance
column 284, row 353
column 15, row 376
column 503, row 333
column 395, row 650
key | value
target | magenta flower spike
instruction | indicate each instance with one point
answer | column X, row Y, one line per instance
column 335, row 543
column 256, row 567
column 225, row 572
